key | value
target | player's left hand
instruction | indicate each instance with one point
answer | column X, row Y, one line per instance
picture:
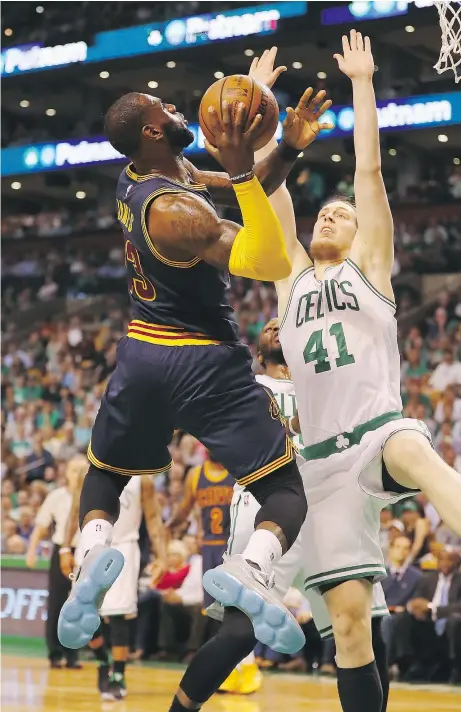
column 356, row 61
column 301, row 126
column 262, row 68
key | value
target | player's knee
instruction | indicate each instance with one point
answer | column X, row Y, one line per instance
column 350, row 622
column 119, row 632
column 283, row 500
column 101, row 491
column 350, row 617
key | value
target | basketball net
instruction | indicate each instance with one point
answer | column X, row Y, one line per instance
column 450, row 24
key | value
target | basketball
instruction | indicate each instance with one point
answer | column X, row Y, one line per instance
column 240, row 88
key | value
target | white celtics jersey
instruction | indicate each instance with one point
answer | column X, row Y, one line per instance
column 284, row 394
column 339, row 339
column 283, row 391
column 126, row 527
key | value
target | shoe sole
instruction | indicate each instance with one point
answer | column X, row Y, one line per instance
column 79, row 617
column 273, row 625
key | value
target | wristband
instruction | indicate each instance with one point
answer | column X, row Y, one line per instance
column 65, row 550
column 290, row 428
column 242, row 177
column 288, row 153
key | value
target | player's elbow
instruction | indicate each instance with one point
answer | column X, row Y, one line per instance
column 281, row 270
column 368, row 168
column 262, row 270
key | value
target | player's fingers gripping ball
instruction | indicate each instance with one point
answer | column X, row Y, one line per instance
column 235, row 90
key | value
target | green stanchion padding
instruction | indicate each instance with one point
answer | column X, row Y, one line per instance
column 19, row 562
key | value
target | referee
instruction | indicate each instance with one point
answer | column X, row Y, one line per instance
column 55, row 510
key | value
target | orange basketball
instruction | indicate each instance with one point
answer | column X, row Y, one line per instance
column 240, row 88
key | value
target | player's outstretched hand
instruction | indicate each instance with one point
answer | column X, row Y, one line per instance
column 356, row 61
column 302, row 125
column 262, row 68
column 233, row 145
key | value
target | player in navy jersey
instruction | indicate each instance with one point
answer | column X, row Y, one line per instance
column 210, row 487
column 181, row 364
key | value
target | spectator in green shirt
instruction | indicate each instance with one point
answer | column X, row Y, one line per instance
column 412, row 398
column 49, row 416
column 414, row 366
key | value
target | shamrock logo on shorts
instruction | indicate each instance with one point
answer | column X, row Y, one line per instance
column 341, row 442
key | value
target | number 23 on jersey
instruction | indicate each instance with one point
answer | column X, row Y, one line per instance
column 143, row 288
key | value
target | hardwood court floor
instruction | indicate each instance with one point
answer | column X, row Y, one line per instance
column 29, row 686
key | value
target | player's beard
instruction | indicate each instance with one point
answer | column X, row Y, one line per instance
column 178, row 137
column 273, row 354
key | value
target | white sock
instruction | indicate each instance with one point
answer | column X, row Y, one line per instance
column 98, row 531
column 263, row 549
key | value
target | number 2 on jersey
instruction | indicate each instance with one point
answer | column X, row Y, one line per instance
column 315, row 350
column 144, row 289
column 216, row 517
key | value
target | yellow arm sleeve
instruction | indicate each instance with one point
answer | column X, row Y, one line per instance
column 259, row 250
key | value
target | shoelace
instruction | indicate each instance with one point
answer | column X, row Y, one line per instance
column 267, row 580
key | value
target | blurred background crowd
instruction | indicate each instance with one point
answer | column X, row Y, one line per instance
column 53, row 377
column 64, row 300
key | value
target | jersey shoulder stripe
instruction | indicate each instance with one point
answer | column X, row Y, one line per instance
column 359, row 272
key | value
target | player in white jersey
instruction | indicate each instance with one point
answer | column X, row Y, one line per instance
column 290, row 570
column 339, row 338
column 120, row 604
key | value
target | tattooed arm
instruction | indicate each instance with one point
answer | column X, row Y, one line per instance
column 183, row 226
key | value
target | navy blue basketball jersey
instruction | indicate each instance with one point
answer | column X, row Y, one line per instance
column 172, row 302
column 214, row 488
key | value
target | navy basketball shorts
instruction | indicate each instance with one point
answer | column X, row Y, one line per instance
column 211, row 558
column 208, row 391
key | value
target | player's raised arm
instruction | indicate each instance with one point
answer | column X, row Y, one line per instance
column 272, row 166
column 184, row 225
column 302, row 120
column 373, row 247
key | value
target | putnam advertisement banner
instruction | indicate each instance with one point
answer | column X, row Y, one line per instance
column 24, row 597
column 402, row 114
column 155, row 37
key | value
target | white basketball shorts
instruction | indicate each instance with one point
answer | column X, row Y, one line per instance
column 345, row 494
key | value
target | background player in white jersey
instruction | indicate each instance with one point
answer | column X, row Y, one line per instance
column 120, row 604
column 290, row 570
column 339, row 337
